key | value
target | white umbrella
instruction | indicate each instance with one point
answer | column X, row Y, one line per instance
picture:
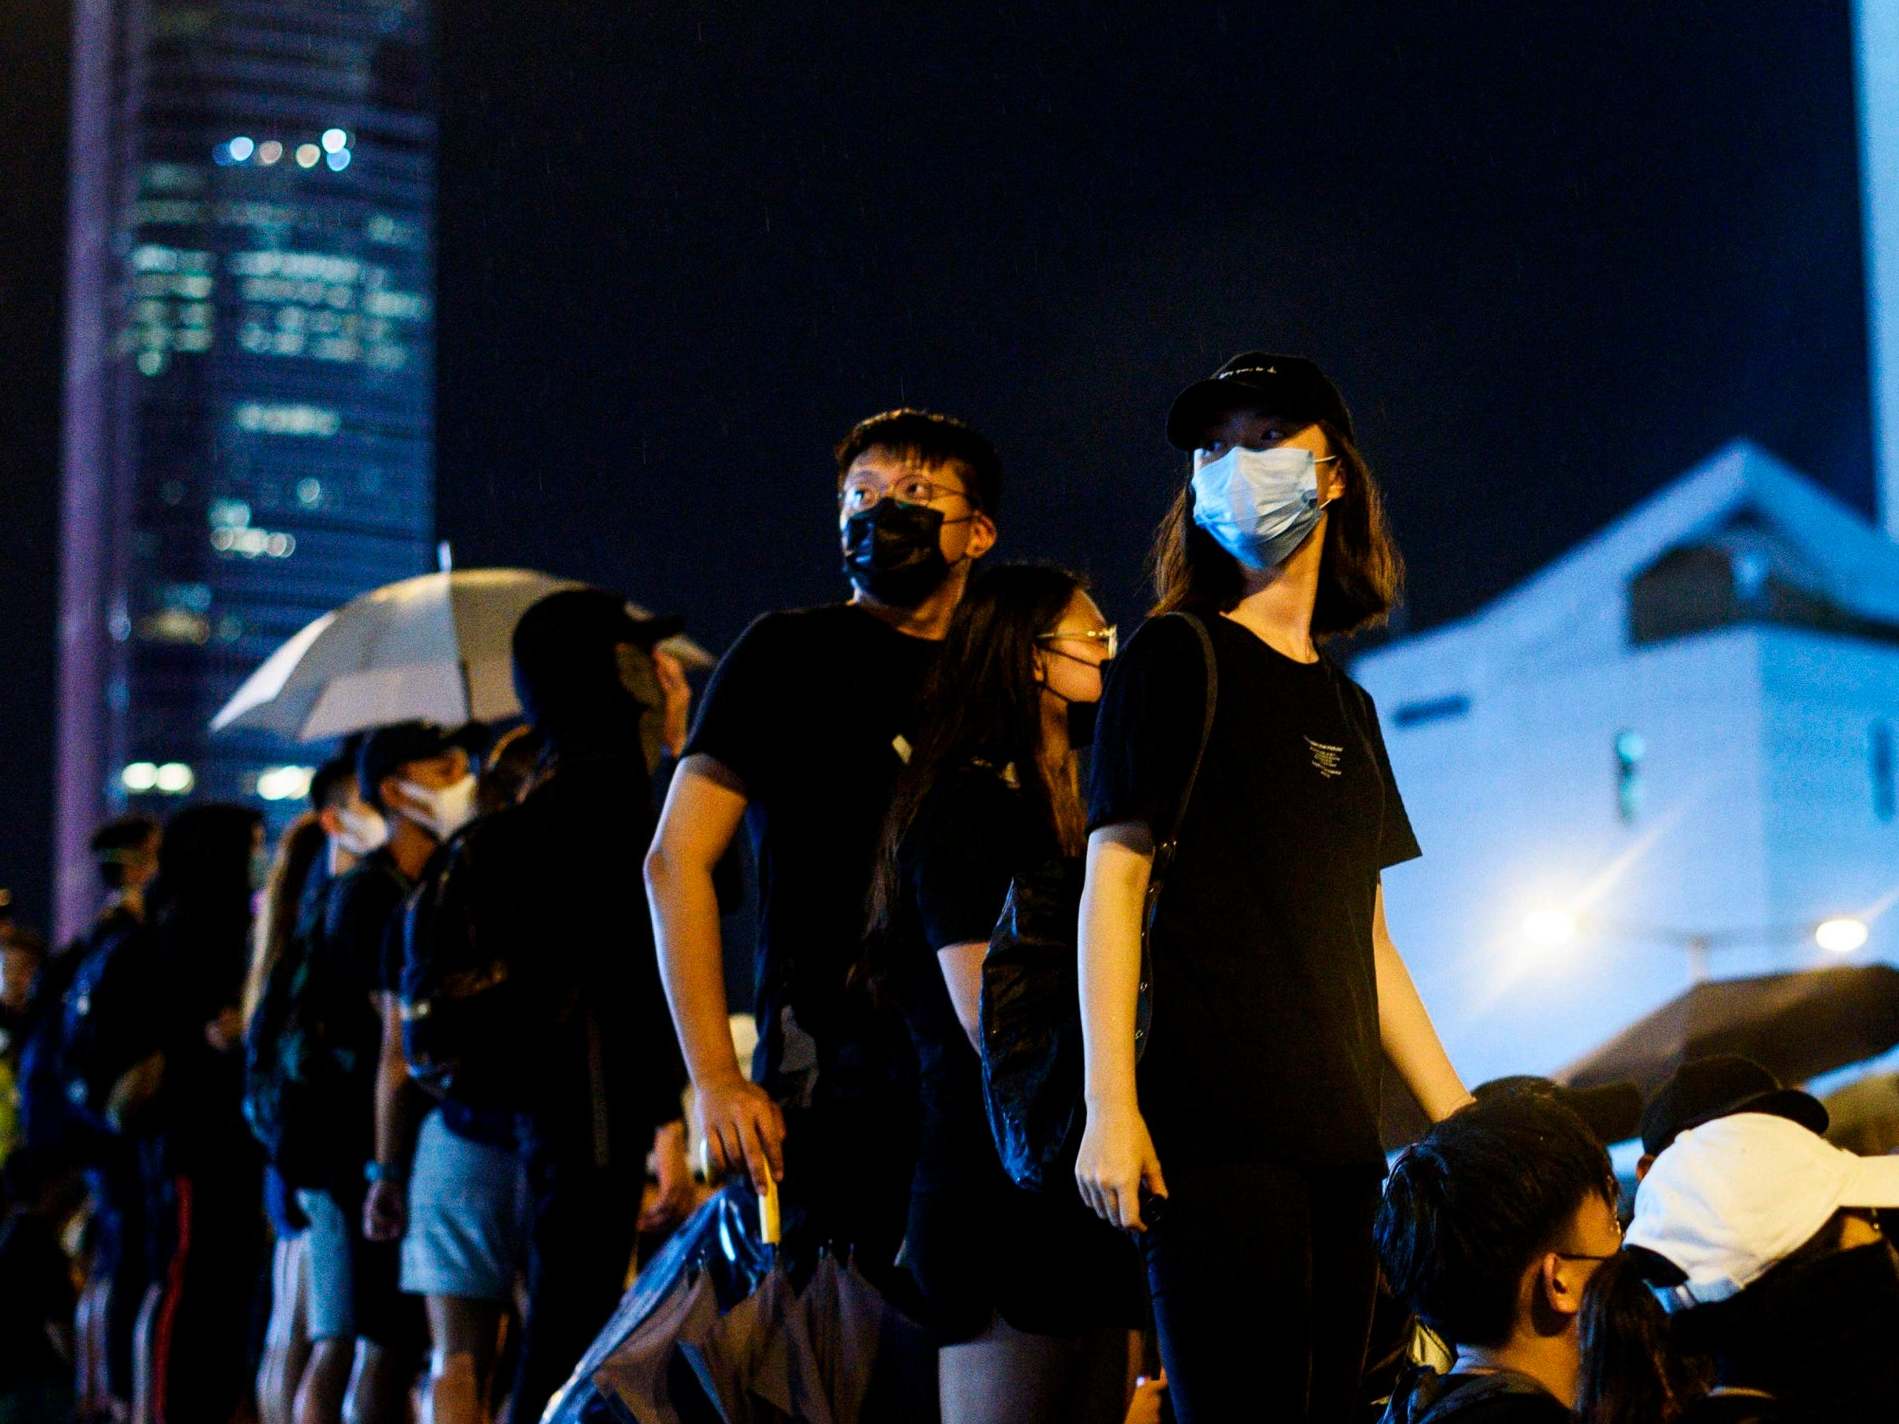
column 434, row 647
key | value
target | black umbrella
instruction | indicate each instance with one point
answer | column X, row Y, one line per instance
column 1795, row 1025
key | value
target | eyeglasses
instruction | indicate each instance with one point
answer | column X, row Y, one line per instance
column 860, row 495
column 1110, row 638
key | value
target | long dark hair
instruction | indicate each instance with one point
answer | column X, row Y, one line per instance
column 1361, row 577
column 982, row 702
column 303, row 841
column 204, row 862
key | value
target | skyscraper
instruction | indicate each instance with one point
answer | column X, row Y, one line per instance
column 248, row 408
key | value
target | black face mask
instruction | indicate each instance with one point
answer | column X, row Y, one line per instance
column 1081, row 724
column 894, row 552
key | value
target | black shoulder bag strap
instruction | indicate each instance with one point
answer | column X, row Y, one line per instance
column 1169, row 847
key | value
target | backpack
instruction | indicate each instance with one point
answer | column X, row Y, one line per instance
column 107, row 1024
column 1031, row 997
column 305, row 1064
column 477, row 1017
column 1426, row 1397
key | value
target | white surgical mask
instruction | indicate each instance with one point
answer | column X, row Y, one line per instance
column 445, row 809
column 1259, row 505
column 360, row 832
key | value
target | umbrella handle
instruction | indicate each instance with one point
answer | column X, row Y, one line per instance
column 770, row 1229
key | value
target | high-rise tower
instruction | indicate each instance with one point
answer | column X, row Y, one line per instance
column 248, row 408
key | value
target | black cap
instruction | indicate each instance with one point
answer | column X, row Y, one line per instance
column 1290, row 386
column 397, row 745
column 1720, row 1086
column 1611, row 1110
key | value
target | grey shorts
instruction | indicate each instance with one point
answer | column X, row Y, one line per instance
column 467, row 1217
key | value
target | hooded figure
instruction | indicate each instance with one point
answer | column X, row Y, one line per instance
column 583, row 669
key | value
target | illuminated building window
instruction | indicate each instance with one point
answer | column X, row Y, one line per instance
column 1631, row 749
column 265, row 418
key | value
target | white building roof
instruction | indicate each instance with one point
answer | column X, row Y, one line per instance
column 1576, row 609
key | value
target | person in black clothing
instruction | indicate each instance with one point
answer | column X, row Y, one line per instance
column 125, row 851
column 597, row 690
column 36, row 1297
column 1032, row 1296
column 1275, row 983
column 204, row 1173
column 416, row 777
column 1490, row 1231
column 802, row 733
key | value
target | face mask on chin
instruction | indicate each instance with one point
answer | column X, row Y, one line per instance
column 893, row 552
column 442, row 810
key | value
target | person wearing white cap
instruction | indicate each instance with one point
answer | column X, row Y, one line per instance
column 1754, row 1284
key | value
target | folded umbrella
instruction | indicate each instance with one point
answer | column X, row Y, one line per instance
column 1795, row 1025
column 435, row 647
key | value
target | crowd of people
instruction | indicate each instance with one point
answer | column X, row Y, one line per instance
column 380, row 1125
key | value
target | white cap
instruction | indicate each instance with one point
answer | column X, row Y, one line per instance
column 1734, row 1196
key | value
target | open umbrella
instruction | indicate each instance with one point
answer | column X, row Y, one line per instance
column 1795, row 1025
column 435, row 647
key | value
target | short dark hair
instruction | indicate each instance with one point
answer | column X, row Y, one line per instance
column 1470, row 1206
column 330, row 783
column 116, row 841
column 932, row 439
column 1361, row 578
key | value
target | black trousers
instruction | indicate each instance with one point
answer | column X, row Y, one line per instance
column 582, row 1223
column 1262, row 1279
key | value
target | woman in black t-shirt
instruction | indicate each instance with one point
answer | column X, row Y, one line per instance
column 1275, row 984
column 1033, row 1297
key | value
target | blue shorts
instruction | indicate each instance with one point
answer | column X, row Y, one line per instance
column 467, row 1217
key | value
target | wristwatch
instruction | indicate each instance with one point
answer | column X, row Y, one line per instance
column 383, row 1172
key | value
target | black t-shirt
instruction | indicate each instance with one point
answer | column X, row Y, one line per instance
column 972, row 835
column 1264, row 1045
column 810, row 708
column 977, row 1244
column 1483, row 1397
column 362, row 926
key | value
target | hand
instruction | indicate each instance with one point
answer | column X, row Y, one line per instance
column 670, row 1203
column 676, row 711
column 226, row 1031
column 385, row 1211
column 742, row 1126
column 1116, row 1160
column 1146, row 1408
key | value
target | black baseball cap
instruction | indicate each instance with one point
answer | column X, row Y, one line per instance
column 1722, row 1085
column 400, row 743
column 1291, row 386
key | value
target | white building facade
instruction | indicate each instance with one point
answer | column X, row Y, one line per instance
column 1684, row 728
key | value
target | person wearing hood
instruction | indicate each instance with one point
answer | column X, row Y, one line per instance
column 608, row 704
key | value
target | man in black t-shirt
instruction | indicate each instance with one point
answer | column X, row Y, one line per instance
column 1490, row 1230
column 416, row 777
column 802, row 733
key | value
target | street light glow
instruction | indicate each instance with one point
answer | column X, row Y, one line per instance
column 1842, row 935
column 1550, row 928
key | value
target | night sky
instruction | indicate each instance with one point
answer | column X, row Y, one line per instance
column 1553, row 255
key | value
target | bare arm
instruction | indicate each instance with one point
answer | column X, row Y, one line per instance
column 400, row 1107
column 1117, row 1155
column 962, row 974
column 1410, row 1042
column 703, row 809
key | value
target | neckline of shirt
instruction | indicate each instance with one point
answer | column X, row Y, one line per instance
column 1273, row 653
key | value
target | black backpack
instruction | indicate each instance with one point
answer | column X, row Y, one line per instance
column 478, row 1018
column 308, row 1058
column 1031, row 997
column 107, row 1021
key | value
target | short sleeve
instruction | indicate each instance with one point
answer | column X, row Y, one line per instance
column 959, row 858
column 1149, row 727
column 1396, row 841
column 736, row 724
